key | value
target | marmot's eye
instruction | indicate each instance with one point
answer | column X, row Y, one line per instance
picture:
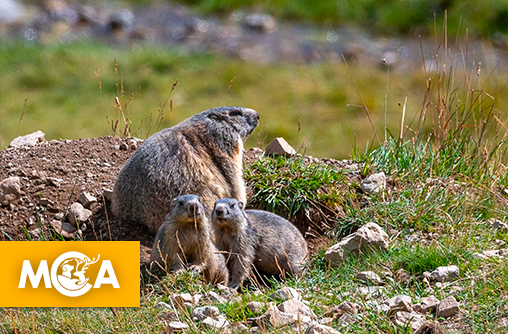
column 180, row 203
column 236, row 112
column 232, row 206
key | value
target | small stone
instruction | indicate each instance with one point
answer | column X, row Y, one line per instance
column 28, row 140
column 54, row 181
column 399, row 303
column 374, row 183
column 429, row 304
column 275, row 318
column 87, row 199
column 177, row 326
column 279, row 146
column 498, row 225
column 255, row 307
column 445, row 274
column 447, row 307
column 492, row 253
column 163, row 305
column 334, row 255
column 10, row 190
column 200, row 313
column 218, row 323
column 297, row 308
column 239, row 328
column 317, row 328
column 124, row 147
column 262, row 23
column 369, row 277
column 180, row 299
column 368, row 237
column 415, row 320
column 285, row 293
column 326, row 321
column 214, row 297
column 78, row 214
column 45, row 202
column 108, row 194
column 342, row 308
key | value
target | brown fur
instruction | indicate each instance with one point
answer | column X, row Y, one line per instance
column 270, row 242
column 201, row 156
column 184, row 240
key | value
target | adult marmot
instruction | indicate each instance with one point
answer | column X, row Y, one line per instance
column 270, row 242
column 184, row 240
column 202, row 155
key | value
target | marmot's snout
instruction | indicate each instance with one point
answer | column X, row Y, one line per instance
column 194, row 208
column 220, row 211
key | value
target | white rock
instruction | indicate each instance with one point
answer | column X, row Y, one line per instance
column 285, row 293
column 415, row 320
column 78, row 214
column 200, row 313
column 369, row 277
column 260, row 22
column 429, row 304
column 28, row 140
column 447, row 307
column 445, row 274
column 214, row 297
column 279, row 146
column 399, row 303
column 368, row 237
column 317, row 328
column 87, row 199
column 219, row 323
column 10, row 190
column 275, row 318
column 297, row 308
column 179, row 300
column 178, row 326
column 374, row 183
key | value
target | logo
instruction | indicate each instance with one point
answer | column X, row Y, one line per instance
column 92, row 273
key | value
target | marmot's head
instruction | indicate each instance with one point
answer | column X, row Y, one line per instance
column 241, row 120
column 187, row 209
column 228, row 212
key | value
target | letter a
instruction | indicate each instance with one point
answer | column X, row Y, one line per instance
column 35, row 279
column 106, row 267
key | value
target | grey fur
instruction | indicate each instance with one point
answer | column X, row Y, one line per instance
column 270, row 242
column 202, row 155
column 184, row 240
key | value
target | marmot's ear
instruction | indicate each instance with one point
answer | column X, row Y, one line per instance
column 240, row 205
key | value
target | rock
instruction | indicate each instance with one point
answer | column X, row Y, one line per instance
column 108, row 194
column 285, row 293
column 317, row 328
column 87, row 199
column 342, row 308
column 180, row 300
column 200, row 313
column 218, row 323
column 368, row 237
column 279, row 146
column 45, row 202
column 429, row 304
column 239, row 328
column 415, row 320
column 492, row 253
column 11, row 10
column 177, row 326
column 54, row 181
column 163, row 305
column 66, row 230
column 10, row 190
column 297, row 308
column 78, row 214
column 374, row 183
column 28, row 140
column 275, row 318
column 262, row 23
column 402, row 277
column 445, row 274
column 375, row 292
column 369, row 277
column 255, row 307
column 334, row 255
column 478, row 256
column 214, row 297
column 399, row 303
column 447, row 307
column 498, row 225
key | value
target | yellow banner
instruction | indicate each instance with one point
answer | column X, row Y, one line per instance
column 69, row 274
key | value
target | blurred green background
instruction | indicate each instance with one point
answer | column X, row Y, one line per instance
column 54, row 86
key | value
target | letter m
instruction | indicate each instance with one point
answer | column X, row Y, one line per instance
column 35, row 279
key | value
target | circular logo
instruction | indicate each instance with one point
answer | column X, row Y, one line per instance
column 68, row 273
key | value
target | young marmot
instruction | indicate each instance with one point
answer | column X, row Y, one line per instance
column 270, row 242
column 184, row 240
column 202, row 155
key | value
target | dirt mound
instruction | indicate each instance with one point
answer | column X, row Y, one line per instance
column 53, row 174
